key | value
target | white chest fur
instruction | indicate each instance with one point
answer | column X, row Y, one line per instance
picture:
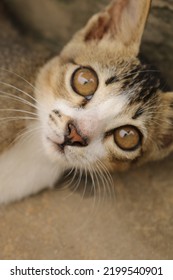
column 25, row 169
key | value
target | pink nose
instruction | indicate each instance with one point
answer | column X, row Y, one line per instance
column 74, row 137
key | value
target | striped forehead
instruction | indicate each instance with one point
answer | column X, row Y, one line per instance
column 137, row 80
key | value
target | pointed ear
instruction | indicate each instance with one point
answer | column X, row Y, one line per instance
column 123, row 20
column 165, row 137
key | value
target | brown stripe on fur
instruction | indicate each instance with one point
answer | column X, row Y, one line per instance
column 145, row 82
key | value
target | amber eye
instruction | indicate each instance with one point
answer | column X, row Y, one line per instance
column 127, row 137
column 84, row 81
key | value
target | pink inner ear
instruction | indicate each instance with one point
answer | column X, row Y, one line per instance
column 99, row 28
column 116, row 11
column 107, row 21
column 123, row 20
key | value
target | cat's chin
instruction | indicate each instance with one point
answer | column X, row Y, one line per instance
column 65, row 154
column 54, row 150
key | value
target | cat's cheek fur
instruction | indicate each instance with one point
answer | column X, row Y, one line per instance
column 117, row 165
column 88, row 157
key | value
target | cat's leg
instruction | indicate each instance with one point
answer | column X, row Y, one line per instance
column 25, row 170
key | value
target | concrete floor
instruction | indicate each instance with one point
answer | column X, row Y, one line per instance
column 60, row 224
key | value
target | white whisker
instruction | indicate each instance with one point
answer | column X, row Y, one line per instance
column 19, row 76
column 17, row 98
column 90, row 169
column 85, row 184
column 17, row 110
column 19, row 118
column 69, row 182
column 26, row 132
column 76, row 185
column 22, row 91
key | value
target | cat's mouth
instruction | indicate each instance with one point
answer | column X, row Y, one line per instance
column 71, row 154
column 73, row 137
column 69, row 141
column 56, row 145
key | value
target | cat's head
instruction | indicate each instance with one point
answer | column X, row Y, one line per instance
column 99, row 101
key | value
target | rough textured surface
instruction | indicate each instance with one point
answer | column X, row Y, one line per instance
column 138, row 222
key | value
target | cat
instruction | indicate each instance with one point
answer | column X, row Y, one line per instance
column 97, row 106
